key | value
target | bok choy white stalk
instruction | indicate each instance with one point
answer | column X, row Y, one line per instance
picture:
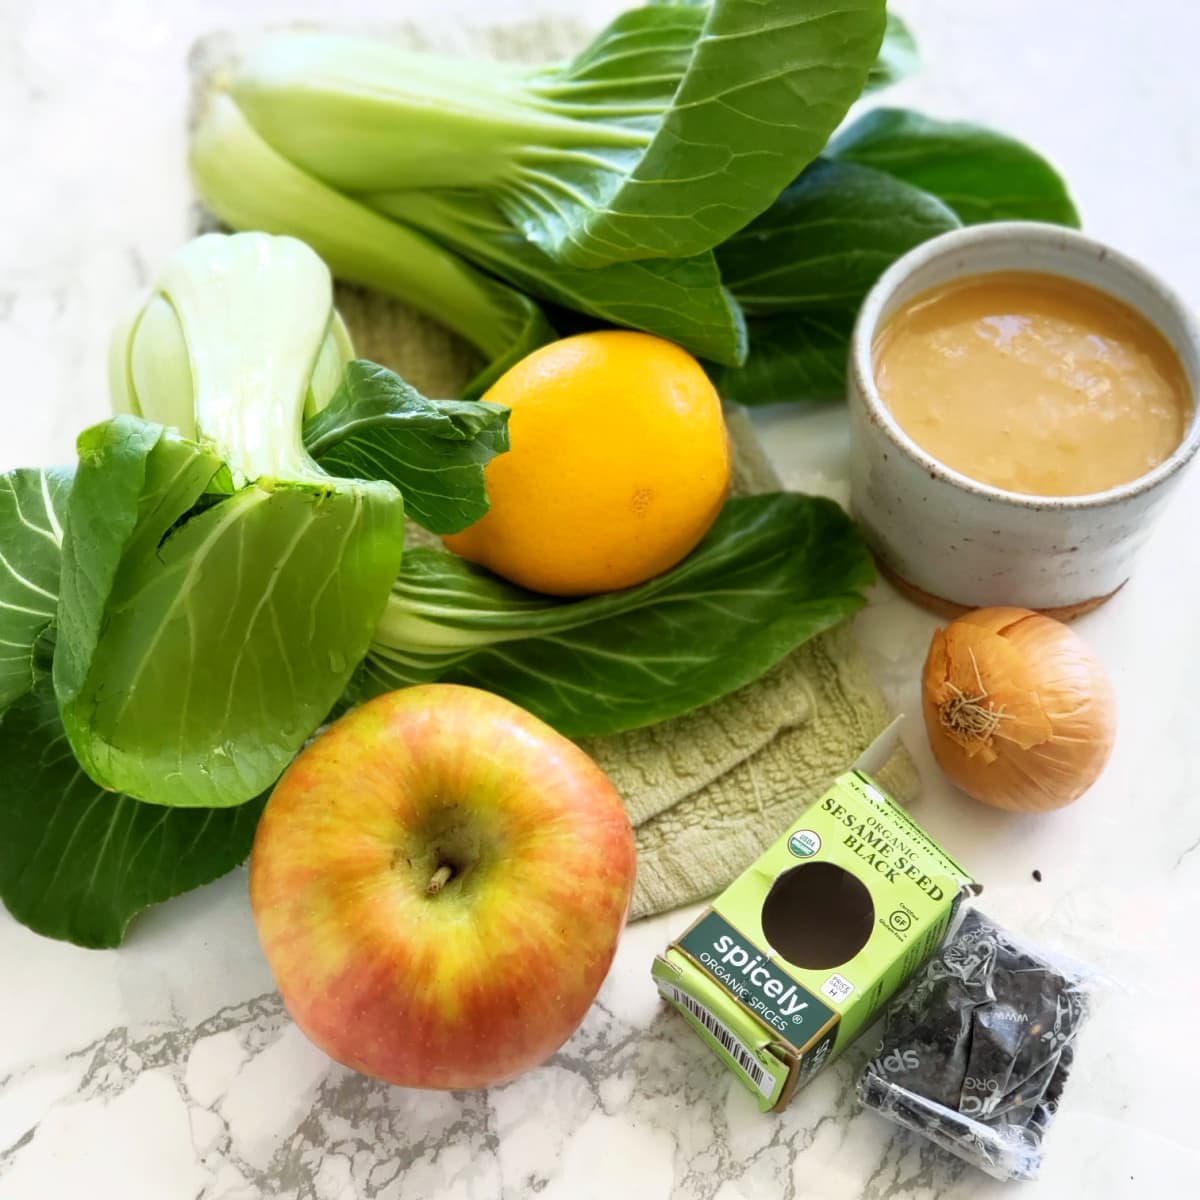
column 250, row 186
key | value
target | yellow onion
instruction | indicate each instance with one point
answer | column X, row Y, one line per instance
column 1019, row 711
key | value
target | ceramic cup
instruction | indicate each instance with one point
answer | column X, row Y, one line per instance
column 954, row 543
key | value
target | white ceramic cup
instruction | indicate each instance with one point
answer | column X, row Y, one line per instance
column 954, row 543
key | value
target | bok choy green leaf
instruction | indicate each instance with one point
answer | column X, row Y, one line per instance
column 801, row 271
column 772, row 572
column 681, row 299
column 435, row 451
column 675, row 127
column 827, row 238
column 979, row 173
column 206, row 628
column 33, row 507
column 77, row 862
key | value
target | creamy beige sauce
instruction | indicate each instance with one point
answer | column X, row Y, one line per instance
column 1033, row 384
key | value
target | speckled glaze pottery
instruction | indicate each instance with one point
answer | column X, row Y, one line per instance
column 953, row 543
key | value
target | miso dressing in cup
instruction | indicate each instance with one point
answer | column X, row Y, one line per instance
column 1035, row 384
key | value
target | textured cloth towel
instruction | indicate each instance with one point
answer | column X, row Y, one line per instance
column 708, row 791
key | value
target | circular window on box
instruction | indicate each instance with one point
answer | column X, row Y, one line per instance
column 818, row 915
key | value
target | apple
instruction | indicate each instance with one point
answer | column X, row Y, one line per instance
column 439, row 881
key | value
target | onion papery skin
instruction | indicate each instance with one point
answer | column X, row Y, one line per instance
column 1036, row 703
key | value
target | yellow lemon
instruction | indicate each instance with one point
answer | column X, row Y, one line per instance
column 619, row 464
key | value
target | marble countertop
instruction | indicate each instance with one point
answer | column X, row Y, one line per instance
column 168, row 1070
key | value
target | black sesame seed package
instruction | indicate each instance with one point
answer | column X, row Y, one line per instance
column 978, row 1046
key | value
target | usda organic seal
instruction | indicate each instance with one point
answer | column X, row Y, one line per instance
column 804, row 843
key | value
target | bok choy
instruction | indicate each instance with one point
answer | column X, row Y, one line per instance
column 599, row 185
column 676, row 126
column 446, row 254
column 773, row 571
column 203, row 561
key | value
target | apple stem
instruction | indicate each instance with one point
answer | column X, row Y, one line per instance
column 439, row 880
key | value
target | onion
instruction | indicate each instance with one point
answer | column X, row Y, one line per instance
column 1019, row 711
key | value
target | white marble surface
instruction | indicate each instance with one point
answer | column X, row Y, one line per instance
column 167, row 1070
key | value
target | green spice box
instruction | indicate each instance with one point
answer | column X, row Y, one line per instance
column 798, row 955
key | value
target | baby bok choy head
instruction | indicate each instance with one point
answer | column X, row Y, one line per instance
column 677, row 125
column 237, row 343
column 218, row 584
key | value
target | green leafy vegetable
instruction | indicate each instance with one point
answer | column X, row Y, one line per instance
column 250, row 186
column 78, row 862
column 667, row 134
column 827, row 239
column 218, row 585
column 182, row 610
column 681, row 299
column 378, row 427
column 774, row 571
column 982, row 175
column 898, row 56
column 796, row 358
column 802, row 269
column 32, row 509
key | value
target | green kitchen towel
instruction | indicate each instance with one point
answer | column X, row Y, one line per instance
column 708, row 791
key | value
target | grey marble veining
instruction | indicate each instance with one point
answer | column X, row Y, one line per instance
column 268, row 1115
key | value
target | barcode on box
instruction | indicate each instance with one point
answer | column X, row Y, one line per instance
column 729, row 1041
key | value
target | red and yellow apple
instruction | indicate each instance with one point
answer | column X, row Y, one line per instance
column 439, row 881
